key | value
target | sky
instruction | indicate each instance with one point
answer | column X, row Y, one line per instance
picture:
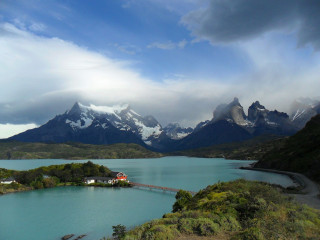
column 173, row 59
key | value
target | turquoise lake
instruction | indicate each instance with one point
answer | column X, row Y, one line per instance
column 53, row 213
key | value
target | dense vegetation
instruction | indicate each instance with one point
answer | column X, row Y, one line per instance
column 235, row 210
column 23, row 150
column 251, row 149
column 51, row 176
column 298, row 153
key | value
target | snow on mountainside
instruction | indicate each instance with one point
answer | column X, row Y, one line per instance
column 302, row 110
column 121, row 117
column 175, row 131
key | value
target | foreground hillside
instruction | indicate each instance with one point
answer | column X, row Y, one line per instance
column 299, row 153
column 20, row 150
column 233, row 210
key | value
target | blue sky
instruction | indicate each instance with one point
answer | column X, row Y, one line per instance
column 144, row 32
column 174, row 59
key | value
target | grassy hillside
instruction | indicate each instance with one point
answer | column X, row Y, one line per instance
column 247, row 150
column 22, row 150
column 238, row 210
column 299, row 153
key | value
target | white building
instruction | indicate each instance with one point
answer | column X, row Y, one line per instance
column 7, row 180
column 105, row 180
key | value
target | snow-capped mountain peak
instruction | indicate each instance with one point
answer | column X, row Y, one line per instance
column 121, row 117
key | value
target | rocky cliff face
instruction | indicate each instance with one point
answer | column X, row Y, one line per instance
column 232, row 112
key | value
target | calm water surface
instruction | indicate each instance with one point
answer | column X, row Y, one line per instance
column 52, row 213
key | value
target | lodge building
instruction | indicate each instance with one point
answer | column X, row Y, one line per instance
column 115, row 177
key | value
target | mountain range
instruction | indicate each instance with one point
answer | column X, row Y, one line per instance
column 121, row 124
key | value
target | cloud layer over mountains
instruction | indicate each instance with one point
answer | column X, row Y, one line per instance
column 278, row 42
column 43, row 76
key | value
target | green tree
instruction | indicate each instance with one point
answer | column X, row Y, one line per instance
column 182, row 198
column 119, row 231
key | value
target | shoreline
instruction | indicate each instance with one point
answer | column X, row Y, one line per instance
column 310, row 192
column 67, row 185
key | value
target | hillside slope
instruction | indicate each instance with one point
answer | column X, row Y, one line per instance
column 299, row 153
column 238, row 210
column 22, row 150
column 251, row 149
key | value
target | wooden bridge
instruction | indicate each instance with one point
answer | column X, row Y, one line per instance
column 165, row 189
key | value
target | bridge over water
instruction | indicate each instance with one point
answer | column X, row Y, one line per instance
column 165, row 189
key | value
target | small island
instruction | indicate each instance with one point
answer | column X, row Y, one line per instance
column 71, row 174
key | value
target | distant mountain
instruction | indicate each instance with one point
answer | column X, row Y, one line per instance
column 259, row 120
column 217, row 132
column 264, row 121
column 121, row 124
column 97, row 125
column 230, row 124
column 201, row 125
column 299, row 153
column 175, row 131
column 232, row 112
column 302, row 110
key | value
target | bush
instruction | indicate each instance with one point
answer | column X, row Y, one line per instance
column 182, row 198
column 119, row 231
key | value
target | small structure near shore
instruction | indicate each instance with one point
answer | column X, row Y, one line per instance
column 119, row 176
column 7, row 180
column 115, row 177
column 105, row 180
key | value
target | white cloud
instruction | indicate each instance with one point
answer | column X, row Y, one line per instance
column 8, row 130
column 168, row 45
column 165, row 46
column 41, row 77
column 44, row 76
column 37, row 27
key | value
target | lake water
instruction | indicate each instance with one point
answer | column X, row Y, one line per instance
column 53, row 213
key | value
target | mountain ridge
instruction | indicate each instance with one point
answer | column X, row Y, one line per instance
column 120, row 124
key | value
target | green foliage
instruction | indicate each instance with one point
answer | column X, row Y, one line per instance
column 21, row 150
column 119, row 231
column 238, row 210
column 182, row 197
column 51, row 176
column 298, row 153
column 5, row 173
column 13, row 187
column 71, row 172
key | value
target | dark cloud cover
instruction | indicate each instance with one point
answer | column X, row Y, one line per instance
column 226, row 21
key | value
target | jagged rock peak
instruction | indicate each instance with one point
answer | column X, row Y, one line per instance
column 231, row 112
column 257, row 104
column 235, row 101
column 76, row 109
column 256, row 110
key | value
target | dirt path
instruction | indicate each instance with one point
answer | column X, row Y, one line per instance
column 310, row 192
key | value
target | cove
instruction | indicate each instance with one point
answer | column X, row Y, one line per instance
column 52, row 213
